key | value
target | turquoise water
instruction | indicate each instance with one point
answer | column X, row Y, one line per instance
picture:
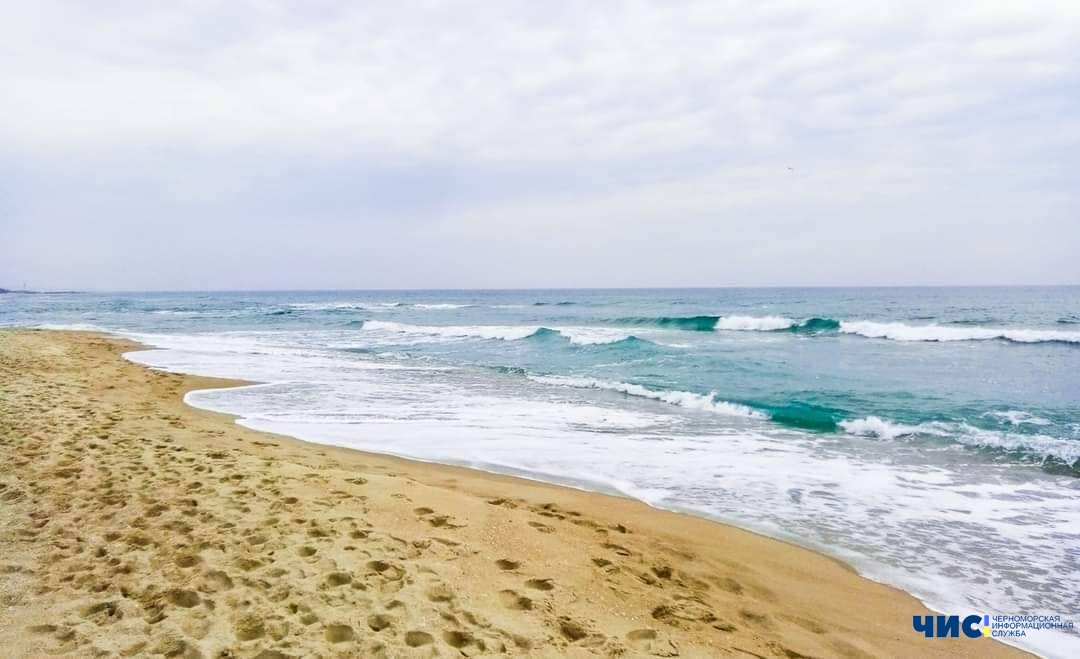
column 929, row 436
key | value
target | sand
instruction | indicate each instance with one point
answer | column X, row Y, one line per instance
column 134, row 525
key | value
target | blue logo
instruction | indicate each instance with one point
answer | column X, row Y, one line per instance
column 973, row 626
column 976, row 626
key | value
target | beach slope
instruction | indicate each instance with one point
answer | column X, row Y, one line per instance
column 134, row 525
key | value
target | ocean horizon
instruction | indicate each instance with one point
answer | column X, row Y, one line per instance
column 527, row 289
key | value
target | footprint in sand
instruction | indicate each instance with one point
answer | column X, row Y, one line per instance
column 335, row 579
column 540, row 584
column 249, row 627
column 187, row 560
column 339, row 633
column 512, row 600
column 386, row 570
column 216, row 580
column 618, row 549
column 440, row 521
column 572, row 630
column 182, row 598
column 755, row 619
column 461, row 639
column 102, row 612
column 683, row 613
column 662, row 571
column 415, row 639
column 440, row 592
column 647, row 640
column 639, row 635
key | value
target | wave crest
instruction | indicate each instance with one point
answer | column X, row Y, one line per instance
column 441, row 306
column 735, row 323
column 502, row 332
column 894, row 331
column 340, row 307
column 584, row 336
column 939, row 333
column 685, row 399
column 1054, row 453
column 687, row 323
column 815, row 325
column 754, row 323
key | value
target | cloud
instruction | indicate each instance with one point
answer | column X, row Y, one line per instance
column 468, row 117
column 518, row 82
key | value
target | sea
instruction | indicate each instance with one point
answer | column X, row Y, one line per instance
column 928, row 436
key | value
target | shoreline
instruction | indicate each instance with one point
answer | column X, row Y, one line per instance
column 554, row 480
column 482, row 560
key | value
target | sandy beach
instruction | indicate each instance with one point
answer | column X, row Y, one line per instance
column 134, row 525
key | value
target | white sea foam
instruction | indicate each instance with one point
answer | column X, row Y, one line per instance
column 503, row 332
column 261, row 357
column 903, row 332
column 374, row 306
column 592, row 335
column 346, row 306
column 681, row 398
column 1042, row 446
column 1019, row 418
column 897, row 331
column 608, row 335
column 577, row 335
column 73, row 327
column 753, row 323
column 1067, row 451
column 874, row 426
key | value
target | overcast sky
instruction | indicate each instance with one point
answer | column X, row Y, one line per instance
column 210, row 145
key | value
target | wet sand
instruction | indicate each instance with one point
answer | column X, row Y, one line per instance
column 134, row 525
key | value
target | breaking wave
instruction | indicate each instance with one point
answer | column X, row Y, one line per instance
column 1059, row 455
column 754, row 323
column 584, row 336
column 938, row 333
column 734, row 323
column 1019, row 418
column 346, row 306
column 501, row 332
column 441, row 306
column 814, row 325
column 706, row 402
column 376, row 306
column 894, row 331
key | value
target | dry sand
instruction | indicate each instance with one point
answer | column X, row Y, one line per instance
column 134, row 525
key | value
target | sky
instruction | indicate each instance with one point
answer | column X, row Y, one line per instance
column 312, row 144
